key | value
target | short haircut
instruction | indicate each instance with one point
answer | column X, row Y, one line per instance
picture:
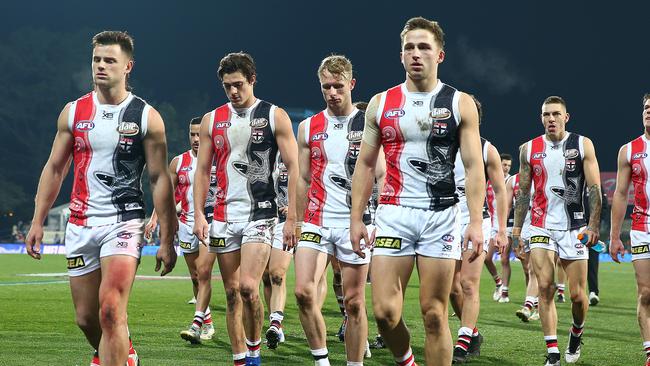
column 107, row 38
column 426, row 24
column 646, row 96
column 237, row 61
column 554, row 99
column 362, row 106
column 479, row 107
column 505, row 156
column 336, row 65
column 195, row 121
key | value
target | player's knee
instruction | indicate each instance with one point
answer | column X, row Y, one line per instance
column 86, row 320
column 304, row 296
column 546, row 289
column 386, row 315
column 644, row 297
column 354, row 304
column 232, row 297
column 433, row 319
column 266, row 279
column 203, row 274
column 456, row 290
column 469, row 287
column 247, row 291
column 579, row 297
column 277, row 278
column 110, row 315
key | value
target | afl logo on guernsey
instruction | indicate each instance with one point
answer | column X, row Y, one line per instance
column 639, row 155
column 355, row 136
column 84, row 125
column 225, row 124
column 320, row 136
column 259, row 123
column 394, row 113
column 440, row 113
column 128, row 128
column 539, row 155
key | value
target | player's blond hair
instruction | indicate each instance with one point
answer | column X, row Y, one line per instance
column 336, row 65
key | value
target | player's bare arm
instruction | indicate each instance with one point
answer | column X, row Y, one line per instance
column 364, row 175
column 49, row 184
column 155, row 150
column 619, row 204
column 592, row 176
column 472, row 157
column 202, row 180
column 153, row 221
column 495, row 174
column 523, row 194
column 289, row 152
column 304, row 168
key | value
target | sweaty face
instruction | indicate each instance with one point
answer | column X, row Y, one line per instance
column 506, row 165
column 646, row 114
column 194, row 138
column 554, row 119
column 238, row 89
column 336, row 89
column 421, row 54
column 110, row 65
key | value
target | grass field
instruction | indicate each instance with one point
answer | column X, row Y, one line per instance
column 37, row 322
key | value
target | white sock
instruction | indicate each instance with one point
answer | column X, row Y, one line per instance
column 320, row 357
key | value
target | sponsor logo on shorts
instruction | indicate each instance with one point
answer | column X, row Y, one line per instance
column 580, row 252
column 446, row 247
column 394, row 113
column 538, row 239
column 85, row 125
column 122, row 244
column 186, row 245
column 124, row 235
column 217, row 242
column 128, row 128
column 388, row 242
column 310, row 237
column 76, row 262
column 641, row 249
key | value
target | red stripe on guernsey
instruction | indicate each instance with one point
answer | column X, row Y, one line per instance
column 317, row 194
column 640, row 180
column 186, row 160
column 221, row 147
column 393, row 144
column 540, row 177
column 489, row 194
column 82, row 155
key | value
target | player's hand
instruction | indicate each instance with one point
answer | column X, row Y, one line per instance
column 202, row 229
column 501, row 242
column 284, row 210
column 358, row 232
column 615, row 248
column 149, row 228
column 593, row 235
column 33, row 241
column 473, row 233
column 290, row 234
column 165, row 256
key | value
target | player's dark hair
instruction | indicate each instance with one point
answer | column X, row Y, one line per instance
column 195, row 121
column 505, row 156
column 362, row 106
column 426, row 24
column 554, row 99
column 237, row 61
column 123, row 39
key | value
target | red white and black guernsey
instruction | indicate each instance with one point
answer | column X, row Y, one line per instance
column 559, row 181
column 108, row 160
column 245, row 152
column 334, row 144
column 637, row 155
column 419, row 134
column 184, row 193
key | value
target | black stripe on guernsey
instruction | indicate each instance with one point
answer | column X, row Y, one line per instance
column 128, row 162
column 355, row 131
column 262, row 152
column 442, row 146
column 212, row 192
column 486, row 210
column 574, row 183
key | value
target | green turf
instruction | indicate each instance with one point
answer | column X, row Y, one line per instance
column 37, row 322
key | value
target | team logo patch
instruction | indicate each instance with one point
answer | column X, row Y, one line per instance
column 388, row 133
column 219, row 142
column 439, row 128
column 79, row 144
column 641, row 249
column 394, row 113
column 320, row 136
column 185, row 245
column 259, row 122
column 537, row 170
column 84, row 125
column 440, row 113
column 257, row 136
column 126, row 144
column 639, row 155
column 570, row 164
column 128, row 128
column 538, row 239
column 222, row 125
column 217, row 242
column 355, row 136
column 388, row 242
column 316, row 153
column 539, row 155
column 571, row 153
column 310, row 237
column 353, row 150
column 76, row 262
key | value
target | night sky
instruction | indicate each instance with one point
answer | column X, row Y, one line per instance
column 510, row 54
